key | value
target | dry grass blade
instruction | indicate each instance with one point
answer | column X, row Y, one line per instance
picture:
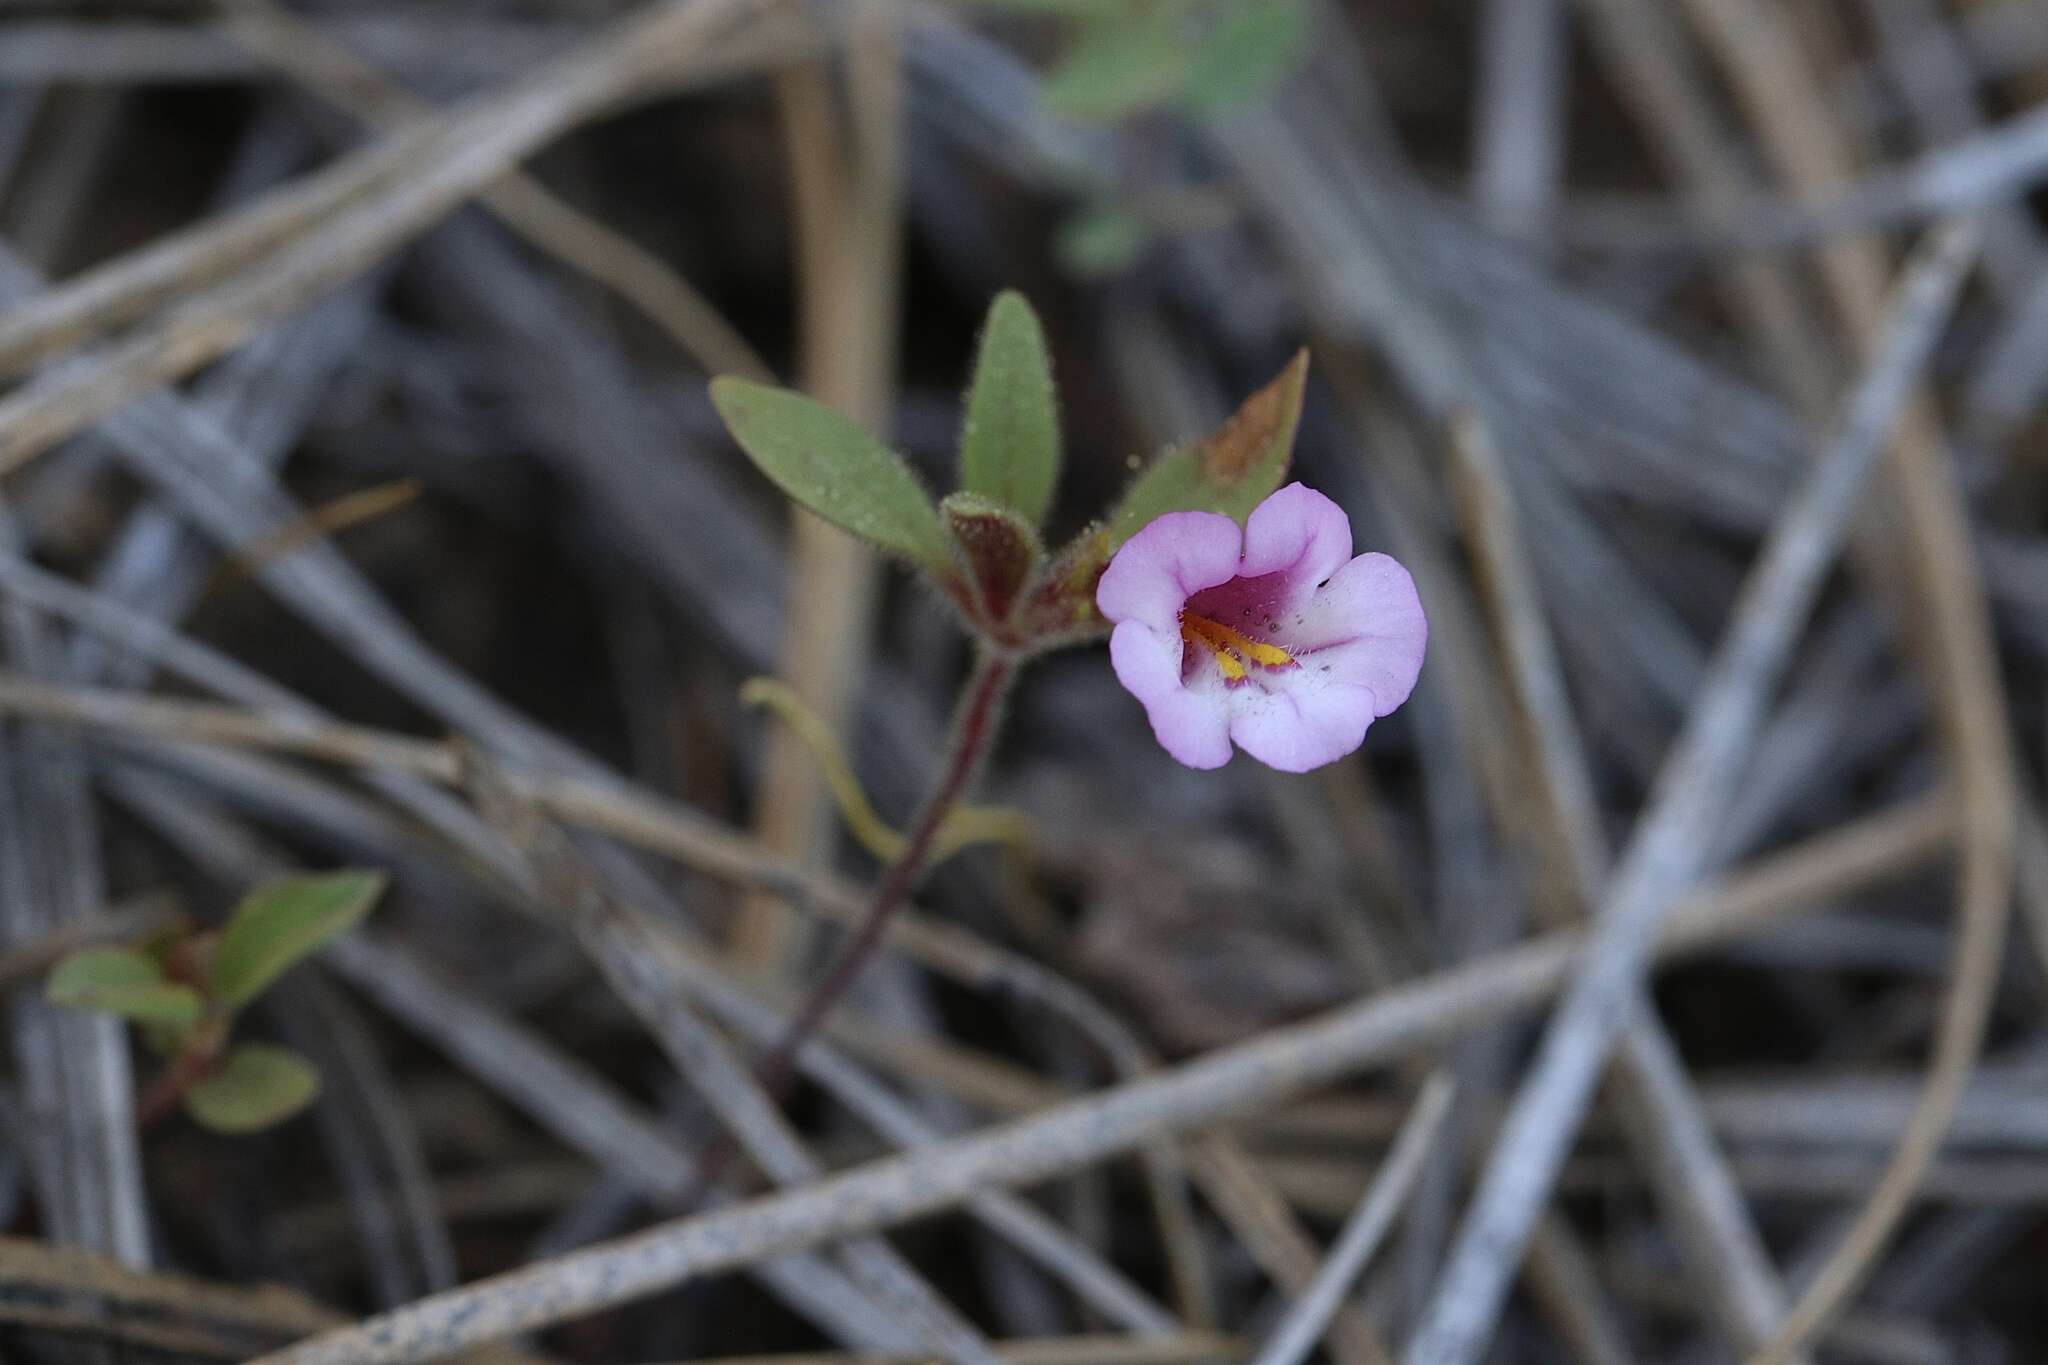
column 627, row 956
column 1261, row 1220
column 1183, row 1348
column 1874, row 849
column 1889, row 845
column 342, row 223
column 226, row 1320
column 130, row 288
column 318, row 524
column 1096, row 1282
column 1080, row 1131
column 1599, row 293
column 1666, row 851
column 1275, row 1065
column 76, row 1074
column 1309, row 1315
column 1519, row 159
column 22, row 963
column 1424, row 341
column 846, row 187
column 636, row 276
column 1951, row 628
column 560, row 1095
column 1665, row 1120
column 1981, row 171
column 95, row 50
column 585, row 1112
column 1645, row 44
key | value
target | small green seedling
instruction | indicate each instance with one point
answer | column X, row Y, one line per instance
column 184, row 989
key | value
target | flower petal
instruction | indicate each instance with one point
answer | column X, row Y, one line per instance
column 1194, row 728
column 1298, row 532
column 1364, row 628
column 1302, row 725
column 1147, row 661
column 1159, row 568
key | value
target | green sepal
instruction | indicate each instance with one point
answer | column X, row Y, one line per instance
column 1059, row 607
column 1231, row 472
column 998, row 548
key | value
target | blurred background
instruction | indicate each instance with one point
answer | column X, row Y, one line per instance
column 357, row 357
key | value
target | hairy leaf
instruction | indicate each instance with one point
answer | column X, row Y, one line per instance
column 1010, row 439
column 831, row 466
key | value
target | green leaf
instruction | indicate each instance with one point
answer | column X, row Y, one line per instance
column 254, row 1086
column 834, row 468
column 1100, row 241
column 124, row 982
column 1119, row 66
column 281, row 922
column 1010, row 440
column 1232, row 471
column 99, row 969
column 1248, row 52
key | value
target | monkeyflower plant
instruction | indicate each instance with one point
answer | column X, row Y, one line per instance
column 1240, row 614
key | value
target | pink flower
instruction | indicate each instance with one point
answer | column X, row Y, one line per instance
column 1273, row 636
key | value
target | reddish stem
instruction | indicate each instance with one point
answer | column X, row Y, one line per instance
column 185, row 1071
column 973, row 732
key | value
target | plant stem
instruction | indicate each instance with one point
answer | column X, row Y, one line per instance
column 188, row 1069
column 974, row 730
